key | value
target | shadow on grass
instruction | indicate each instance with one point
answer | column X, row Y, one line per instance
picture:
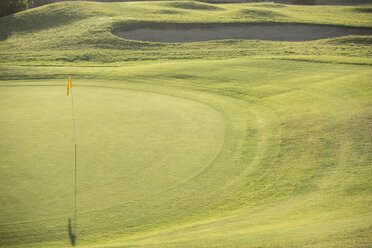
column 5, row 30
column 71, row 235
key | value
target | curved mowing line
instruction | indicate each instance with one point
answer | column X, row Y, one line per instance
column 219, row 167
column 262, row 148
column 256, row 159
column 140, row 198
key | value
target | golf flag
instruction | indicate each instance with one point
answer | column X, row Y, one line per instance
column 69, row 85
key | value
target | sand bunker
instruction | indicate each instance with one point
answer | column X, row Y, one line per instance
column 273, row 32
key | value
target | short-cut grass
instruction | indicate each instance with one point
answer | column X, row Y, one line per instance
column 68, row 33
column 211, row 144
column 165, row 129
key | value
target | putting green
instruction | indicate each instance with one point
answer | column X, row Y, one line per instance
column 131, row 144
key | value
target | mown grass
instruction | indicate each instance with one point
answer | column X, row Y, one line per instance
column 210, row 144
column 80, row 32
column 343, row 2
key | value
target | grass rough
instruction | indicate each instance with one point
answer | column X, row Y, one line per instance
column 213, row 144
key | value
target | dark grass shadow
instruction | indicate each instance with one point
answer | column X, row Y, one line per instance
column 71, row 235
column 5, row 26
column 45, row 17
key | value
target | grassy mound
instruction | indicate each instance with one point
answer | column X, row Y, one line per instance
column 212, row 144
column 80, row 32
column 343, row 2
column 260, row 14
column 364, row 10
column 192, row 5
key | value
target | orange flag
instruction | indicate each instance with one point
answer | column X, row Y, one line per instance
column 69, row 86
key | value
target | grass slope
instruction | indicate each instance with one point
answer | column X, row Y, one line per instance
column 80, row 32
column 211, row 144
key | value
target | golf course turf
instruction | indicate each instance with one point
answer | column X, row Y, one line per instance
column 227, row 143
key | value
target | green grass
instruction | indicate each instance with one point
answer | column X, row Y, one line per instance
column 210, row 144
column 79, row 32
column 151, row 123
column 343, row 2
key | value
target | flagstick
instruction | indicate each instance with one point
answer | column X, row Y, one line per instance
column 75, row 145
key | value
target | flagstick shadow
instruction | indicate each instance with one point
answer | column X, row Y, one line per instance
column 71, row 235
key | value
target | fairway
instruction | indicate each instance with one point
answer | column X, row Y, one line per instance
column 224, row 143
